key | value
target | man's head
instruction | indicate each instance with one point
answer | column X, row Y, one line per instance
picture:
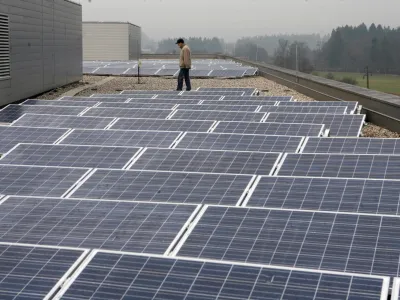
column 180, row 43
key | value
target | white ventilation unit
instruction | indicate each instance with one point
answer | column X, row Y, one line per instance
column 4, row 47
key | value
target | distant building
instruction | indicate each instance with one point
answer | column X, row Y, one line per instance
column 111, row 41
column 40, row 47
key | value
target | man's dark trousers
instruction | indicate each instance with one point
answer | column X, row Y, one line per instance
column 184, row 74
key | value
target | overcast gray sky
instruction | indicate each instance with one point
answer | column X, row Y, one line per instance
column 231, row 19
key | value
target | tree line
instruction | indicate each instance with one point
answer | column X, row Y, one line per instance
column 197, row 45
column 347, row 49
column 351, row 49
column 270, row 42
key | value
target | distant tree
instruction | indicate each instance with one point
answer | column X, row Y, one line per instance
column 335, row 48
column 148, row 43
column 197, row 45
column 386, row 57
column 285, row 56
column 270, row 42
column 251, row 51
column 280, row 53
column 353, row 48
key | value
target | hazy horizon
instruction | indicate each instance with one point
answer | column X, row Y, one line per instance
column 232, row 19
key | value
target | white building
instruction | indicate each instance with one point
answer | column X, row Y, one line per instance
column 40, row 47
column 111, row 41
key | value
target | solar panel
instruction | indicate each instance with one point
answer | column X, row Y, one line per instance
column 240, row 142
column 247, row 91
column 88, row 70
column 35, row 273
column 314, row 240
column 197, row 73
column 94, row 100
column 259, row 98
column 167, row 72
column 339, row 125
column 164, row 101
column 217, row 115
column 227, row 73
column 13, row 111
column 327, row 194
column 59, row 103
column 154, row 92
column 173, row 187
column 128, row 113
column 202, row 67
column 69, row 156
column 136, row 105
column 149, row 71
column 246, row 108
column 55, row 121
column 213, row 93
column 293, row 129
column 395, row 289
column 110, row 71
column 251, row 72
column 126, row 275
column 113, row 225
column 206, row 161
column 162, row 139
column 11, row 136
column 38, row 181
column 141, row 96
column 352, row 145
column 162, row 125
column 115, row 97
column 341, row 165
column 351, row 105
column 306, row 109
column 190, row 97
column 239, row 102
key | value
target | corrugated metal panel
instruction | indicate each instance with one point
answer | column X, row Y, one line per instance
column 105, row 41
column 45, row 45
column 4, row 46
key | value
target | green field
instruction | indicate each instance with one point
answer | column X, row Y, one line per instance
column 384, row 83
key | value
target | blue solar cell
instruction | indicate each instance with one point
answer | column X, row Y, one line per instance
column 34, row 273
column 144, row 277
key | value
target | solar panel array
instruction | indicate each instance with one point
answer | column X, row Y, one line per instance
column 217, row 193
column 200, row 68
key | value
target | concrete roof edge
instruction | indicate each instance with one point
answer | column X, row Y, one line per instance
column 109, row 22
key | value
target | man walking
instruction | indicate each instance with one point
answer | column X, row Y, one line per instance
column 185, row 64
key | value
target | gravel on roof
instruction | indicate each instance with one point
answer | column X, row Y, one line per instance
column 56, row 93
column 371, row 130
column 160, row 83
